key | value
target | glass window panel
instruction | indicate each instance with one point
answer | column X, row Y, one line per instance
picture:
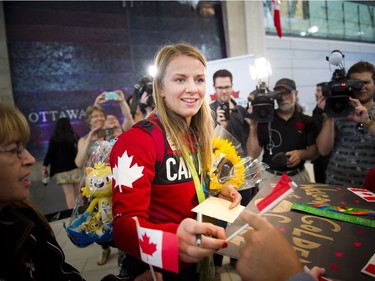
column 351, row 11
column 343, row 20
column 335, row 19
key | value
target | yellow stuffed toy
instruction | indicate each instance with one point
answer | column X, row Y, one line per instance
column 98, row 190
column 95, row 224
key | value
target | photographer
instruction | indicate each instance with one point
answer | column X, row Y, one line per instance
column 142, row 97
column 351, row 140
column 288, row 141
column 225, row 110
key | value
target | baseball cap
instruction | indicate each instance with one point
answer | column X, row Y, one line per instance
column 286, row 83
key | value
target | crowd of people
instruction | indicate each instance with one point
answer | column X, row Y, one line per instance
column 169, row 139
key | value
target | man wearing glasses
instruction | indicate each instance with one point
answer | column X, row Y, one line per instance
column 351, row 140
column 289, row 140
column 225, row 110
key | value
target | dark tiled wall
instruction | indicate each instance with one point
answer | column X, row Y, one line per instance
column 63, row 54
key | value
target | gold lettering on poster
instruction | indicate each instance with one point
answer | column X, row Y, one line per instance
column 306, row 244
column 299, row 232
column 319, row 195
column 309, row 219
column 307, row 236
column 281, row 218
column 303, row 253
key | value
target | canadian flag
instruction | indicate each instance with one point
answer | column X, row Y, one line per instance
column 280, row 192
column 276, row 16
column 158, row 248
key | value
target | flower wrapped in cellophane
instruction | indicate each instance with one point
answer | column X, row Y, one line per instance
column 230, row 163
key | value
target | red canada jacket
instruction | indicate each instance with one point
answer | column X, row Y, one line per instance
column 160, row 192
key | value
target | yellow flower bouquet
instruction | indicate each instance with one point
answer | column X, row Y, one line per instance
column 230, row 164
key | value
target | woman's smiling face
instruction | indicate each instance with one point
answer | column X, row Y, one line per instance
column 97, row 119
column 184, row 86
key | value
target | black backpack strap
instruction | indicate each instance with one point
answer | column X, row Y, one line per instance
column 153, row 128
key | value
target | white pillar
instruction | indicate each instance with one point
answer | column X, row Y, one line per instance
column 255, row 32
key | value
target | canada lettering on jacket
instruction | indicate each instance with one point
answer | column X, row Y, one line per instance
column 177, row 170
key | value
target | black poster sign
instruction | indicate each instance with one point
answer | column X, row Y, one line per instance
column 341, row 247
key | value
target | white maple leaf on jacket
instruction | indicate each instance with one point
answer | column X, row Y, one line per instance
column 125, row 174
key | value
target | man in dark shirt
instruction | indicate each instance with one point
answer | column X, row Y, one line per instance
column 235, row 124
column 288, row 141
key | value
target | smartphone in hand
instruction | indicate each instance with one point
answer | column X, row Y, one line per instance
column 109, row 96
column 105, row 132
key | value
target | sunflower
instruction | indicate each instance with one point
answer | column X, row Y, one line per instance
column 227, row 167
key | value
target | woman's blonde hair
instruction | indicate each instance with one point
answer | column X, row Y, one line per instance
column 175, row 125
column 14, row 126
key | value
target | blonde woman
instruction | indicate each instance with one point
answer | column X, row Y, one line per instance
column 164, row 192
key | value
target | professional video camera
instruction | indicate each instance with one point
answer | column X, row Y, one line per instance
column 339, row 89
column 262, row 101
column 148, row 89
column 144, row 85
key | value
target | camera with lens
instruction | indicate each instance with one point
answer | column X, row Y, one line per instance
column 148, row 89
column 225, row 106
column 263, row 103
column 144, row 85
column 339, row 90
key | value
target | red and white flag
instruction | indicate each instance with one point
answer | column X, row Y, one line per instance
column 158, row 248
column 276, row 17
column 279, row 193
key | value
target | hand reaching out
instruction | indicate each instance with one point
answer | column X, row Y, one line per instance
column 267, row 255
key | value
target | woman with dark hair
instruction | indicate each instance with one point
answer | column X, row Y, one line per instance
column 62, row 150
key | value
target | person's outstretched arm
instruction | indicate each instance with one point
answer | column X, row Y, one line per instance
column 267, row 255
column 126, row 112
column 326, row 138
